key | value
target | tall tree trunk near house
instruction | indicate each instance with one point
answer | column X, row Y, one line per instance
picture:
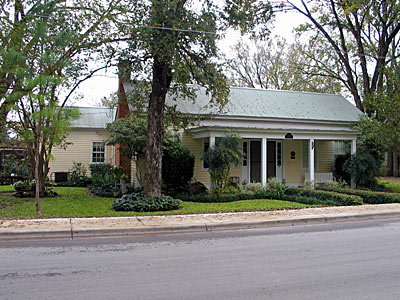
column 162, row 77
column 37, row 177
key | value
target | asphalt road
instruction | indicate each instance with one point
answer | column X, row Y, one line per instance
column 339, row 261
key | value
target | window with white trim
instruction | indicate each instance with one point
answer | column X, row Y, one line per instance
column 98, row 152
column 305, row 155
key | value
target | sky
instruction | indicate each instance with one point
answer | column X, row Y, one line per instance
column 103, row 84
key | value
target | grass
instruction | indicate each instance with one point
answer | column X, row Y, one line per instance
column 6, row 188
column 394, row 186
column 73, row 202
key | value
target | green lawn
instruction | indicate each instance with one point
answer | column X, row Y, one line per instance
column 74, row 202
column 5, row 188
column 394, row 186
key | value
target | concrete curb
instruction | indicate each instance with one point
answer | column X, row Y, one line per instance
column 207, row 226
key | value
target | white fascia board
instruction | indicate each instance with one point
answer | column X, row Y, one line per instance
column 277, row 124
column 256, row 133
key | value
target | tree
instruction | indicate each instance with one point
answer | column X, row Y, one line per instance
column 220, row 158
column 132, row 133
column 361, row 33
column 277, row 65
column 46, row 46
column 174, row 43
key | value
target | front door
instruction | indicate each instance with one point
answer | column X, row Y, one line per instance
column 255, row 161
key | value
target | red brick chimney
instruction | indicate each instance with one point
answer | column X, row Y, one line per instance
column 122, row 111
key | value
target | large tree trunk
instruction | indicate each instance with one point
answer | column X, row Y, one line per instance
column 162, row 77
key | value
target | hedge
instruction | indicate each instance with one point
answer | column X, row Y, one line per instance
column 333, row 197
column 299, row 195
column 367, row 196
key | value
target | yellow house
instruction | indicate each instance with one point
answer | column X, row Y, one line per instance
column 87, row 142
column 287, row 135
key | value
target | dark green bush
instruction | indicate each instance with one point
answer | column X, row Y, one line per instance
column 139, row 203
column 177, row 167
column 101, row 169
column 104, row 186
column 339, row 199
column 368, row 196
column 363, row 168
column 77, row 175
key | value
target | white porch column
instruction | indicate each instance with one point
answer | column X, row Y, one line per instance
column 353, row 151
column 264, row 161
column 212, row 140
column 311, row 163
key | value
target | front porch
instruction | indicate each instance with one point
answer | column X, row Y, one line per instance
column 292, row 157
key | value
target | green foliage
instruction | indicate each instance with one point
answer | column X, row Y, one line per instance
column 22, row 185
column 177, row 166
column 336, row 184
column 275, row 186
column 368, row 196
column 363, row 168
column 104, row 185
column 221, row 157
column 100, row 170
column 337, row 198
column 77, row 175
column 118, row 173
column 132, row 133
column 139, row 203
column 14, row 166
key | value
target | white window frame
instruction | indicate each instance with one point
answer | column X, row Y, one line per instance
column 315, row 154
column 91, row 152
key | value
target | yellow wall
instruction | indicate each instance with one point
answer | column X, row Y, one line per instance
column 78, row 151
column 195, row 146
column 293, row 172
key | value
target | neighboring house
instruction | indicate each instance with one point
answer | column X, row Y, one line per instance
column 287, row 135
column 87, row 140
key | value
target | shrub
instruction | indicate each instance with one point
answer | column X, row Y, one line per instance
column 77, row 176
column 336, row 184
column 221, row 157
column 255, row 187
column 139, row 203
column 22, row 185
column 104, row 186
column 100, row 169
column 275, row 186
column 368, row 196
column 177, row 166
column 363, row 168
column 338, row 198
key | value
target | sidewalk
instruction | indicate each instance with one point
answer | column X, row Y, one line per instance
column 118, row 226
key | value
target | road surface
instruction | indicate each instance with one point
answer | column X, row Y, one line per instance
column 339, row 261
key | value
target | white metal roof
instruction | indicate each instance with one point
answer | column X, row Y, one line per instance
column 94, row 117
column 259, row 103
